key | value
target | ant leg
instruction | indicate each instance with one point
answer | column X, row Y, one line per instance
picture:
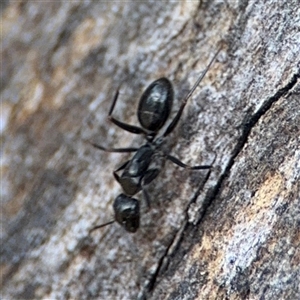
column 173, row 124
column 127, row 127
column 114, row 102
column 120, row 150
column 181, row 164
column 122, row 167
column 149, row 176
column 146, row 196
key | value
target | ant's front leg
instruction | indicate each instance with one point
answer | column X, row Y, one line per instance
column 122, row 167
column 149, row 176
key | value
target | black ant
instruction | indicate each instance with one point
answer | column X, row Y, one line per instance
column 153, row 111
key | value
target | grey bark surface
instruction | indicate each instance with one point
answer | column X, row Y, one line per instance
column 232, row 233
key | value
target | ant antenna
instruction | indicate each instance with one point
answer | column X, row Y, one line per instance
column 202, row 75
column 173, row 124
column 100, row 226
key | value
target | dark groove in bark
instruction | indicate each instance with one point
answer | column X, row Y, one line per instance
column 248, row 124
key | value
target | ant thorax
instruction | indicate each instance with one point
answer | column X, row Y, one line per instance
column 158, row 143
column 159, row 157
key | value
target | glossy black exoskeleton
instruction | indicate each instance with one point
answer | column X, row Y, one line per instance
column 153, row 111
column 136, row 171
column 127, row 213
column 156, row 104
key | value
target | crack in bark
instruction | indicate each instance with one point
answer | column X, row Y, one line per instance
column 149, row 286
column 163, row 262
column 247, row 125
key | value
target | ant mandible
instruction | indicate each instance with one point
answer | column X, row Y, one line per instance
column 153, row 111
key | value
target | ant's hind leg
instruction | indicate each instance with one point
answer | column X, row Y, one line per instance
column 127, row 127
column 149, row 176
column 146, row 197
column 114, row 103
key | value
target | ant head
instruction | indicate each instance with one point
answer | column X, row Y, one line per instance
column 127, row 212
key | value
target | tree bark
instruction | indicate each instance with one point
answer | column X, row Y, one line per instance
column 231, row 233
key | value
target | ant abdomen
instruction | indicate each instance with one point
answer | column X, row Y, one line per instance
column 156, row 104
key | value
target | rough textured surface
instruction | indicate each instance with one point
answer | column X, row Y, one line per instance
column 236, row 237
